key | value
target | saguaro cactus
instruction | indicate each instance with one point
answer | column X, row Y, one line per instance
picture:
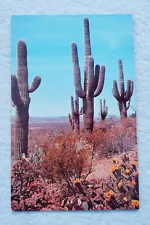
column 71, row 120
column 103, row 110
column 124, row 96
column 74, row 118
column 21, row 100
column 93, row 81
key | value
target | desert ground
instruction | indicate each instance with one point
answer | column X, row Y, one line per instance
column 69, row 171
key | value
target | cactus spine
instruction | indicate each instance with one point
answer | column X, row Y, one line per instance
column 124, row 96
column 103, row 110
column 93, row 81
column 74, row 118
column 21, row 100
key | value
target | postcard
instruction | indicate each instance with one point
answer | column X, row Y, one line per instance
column 73, row 124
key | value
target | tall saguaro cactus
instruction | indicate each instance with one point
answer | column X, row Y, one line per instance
column 21, row 100
column 93, row 80
column 103, row 109
column 123, row 97
column 74, row 118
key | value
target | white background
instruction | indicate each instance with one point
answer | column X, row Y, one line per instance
column 140, row 10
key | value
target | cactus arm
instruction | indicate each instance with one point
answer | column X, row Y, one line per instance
column 87, row 48
column 77, row 106
column 106, row 110
column 35, row 84
column 76, row 103
column 100, row 82
column 132, row 87
column 13, row 105
column 129, row 91
column 120, row 106
column 15, row 95
column 90, row 80
column 81, row 111
column 104, row 105
column 72, row 105
column 76, row 70
column 97, row 72
column 121, row 79
column 101, row 106
column 70, row 120
column 115, row 90
column 127, row 107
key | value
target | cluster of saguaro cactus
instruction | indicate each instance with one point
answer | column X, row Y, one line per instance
column 103, row 110
column 93, row 86
column 74, row 118
column 93, row 80
column 123, row 97
column 21, row 100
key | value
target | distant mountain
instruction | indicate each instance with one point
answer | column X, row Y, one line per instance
column 59, row 119
column 36, row 120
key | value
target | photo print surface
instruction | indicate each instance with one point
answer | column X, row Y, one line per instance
column 73, row 123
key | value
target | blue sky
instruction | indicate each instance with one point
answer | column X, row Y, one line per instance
column 49, row 39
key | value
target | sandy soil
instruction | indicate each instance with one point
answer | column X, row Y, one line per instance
column 103, row 166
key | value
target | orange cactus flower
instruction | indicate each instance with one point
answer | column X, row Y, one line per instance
column 114, row 159
column 111, row 192
column 133, row 163
column 135, row 203
column 77, row 180
column 114, row 168
column 127, row 171
column 137, row 173
column 109, row 195
column 108, row 199
column 120, row 184
column 133, row 182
